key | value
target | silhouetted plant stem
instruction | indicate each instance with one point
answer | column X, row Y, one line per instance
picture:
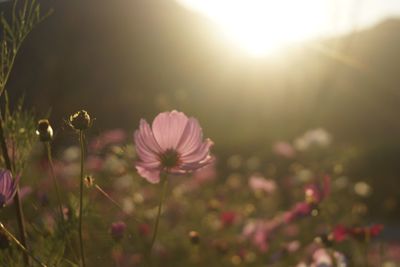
column 81, row 140
column 163, row 189
column 22, row 247
column 58, row 193
column 18, row 204
column 53, row 176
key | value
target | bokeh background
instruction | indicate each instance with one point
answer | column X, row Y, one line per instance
column 124, row 60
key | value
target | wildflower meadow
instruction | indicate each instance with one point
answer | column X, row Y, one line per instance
column 177, row 186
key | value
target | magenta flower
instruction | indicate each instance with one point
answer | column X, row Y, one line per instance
column 8, row 187
column 174, row 144
column 117, row 230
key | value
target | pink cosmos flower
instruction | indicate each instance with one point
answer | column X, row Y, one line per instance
column 8, row 187
column 174, row 144
column 258, row 183
column 284, row 149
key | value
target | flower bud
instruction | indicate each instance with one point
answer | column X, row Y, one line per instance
column 89, row 181
column 44, row 131
column 80, row 120
column 194, row 237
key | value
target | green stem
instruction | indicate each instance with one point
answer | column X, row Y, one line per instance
column 22, row 247
column 81, row 140
column 164, row 189
column 53, row 176
column 18, row 204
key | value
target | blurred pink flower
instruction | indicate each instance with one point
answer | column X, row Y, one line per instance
column 293, row 246
column 117, row 230
column 228, row 218
column 258, row 183
column 94, row 163
column 284, row 149
column 258, row 232
column 110, row 137
column 8, row 187
column 173, row 144
column 321, row 257
column 300, row 210
column 316, row 137
column 366, row 232
column 315, row 193
column 341, row 232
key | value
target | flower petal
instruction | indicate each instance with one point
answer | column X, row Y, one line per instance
column 146, row 145
column 151, row 175
column 143, row 151
column 191, row 138
column 200, row 154
column 168, row 128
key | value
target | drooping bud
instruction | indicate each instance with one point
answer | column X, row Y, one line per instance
column 89, row 181
column 44, row 131
column 80, row 120
column 194, row 237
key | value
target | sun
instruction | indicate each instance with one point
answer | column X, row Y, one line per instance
column 263, row 26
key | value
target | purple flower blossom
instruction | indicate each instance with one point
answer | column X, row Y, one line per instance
column 8, row 187
column 173, row 144
column 117, row 230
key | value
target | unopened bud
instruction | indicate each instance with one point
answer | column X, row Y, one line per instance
column 89, row 181
column 44, row 131
column 194, row 237
column 80, row 120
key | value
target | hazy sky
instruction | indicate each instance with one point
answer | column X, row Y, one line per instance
column 373, row 11
column 262, row 26
column 342, row 15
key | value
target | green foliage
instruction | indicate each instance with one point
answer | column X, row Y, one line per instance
column 19, row 130
column 25, row 16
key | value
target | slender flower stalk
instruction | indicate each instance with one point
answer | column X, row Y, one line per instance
column 81, row 140
column 22, row 247
column 80, row 121
column 56, row 186
column 164, row 183
column 45, row 133
column 18, row 204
